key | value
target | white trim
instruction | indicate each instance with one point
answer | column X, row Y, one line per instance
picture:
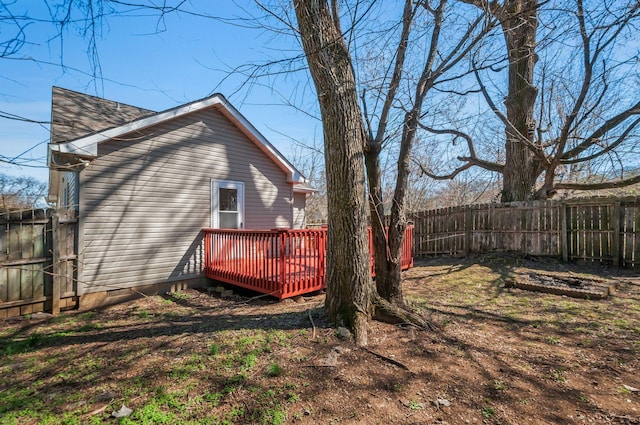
column 215, row 209
column 88, row 146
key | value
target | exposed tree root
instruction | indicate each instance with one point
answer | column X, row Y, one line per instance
column 395, row 314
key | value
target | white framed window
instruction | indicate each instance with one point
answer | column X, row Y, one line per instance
column 227, row 204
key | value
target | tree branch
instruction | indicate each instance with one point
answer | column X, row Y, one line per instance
column 407, row 19
column 608, row 125
column 599, row 186
column 608, row 148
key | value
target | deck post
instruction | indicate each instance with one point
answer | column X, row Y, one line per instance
column 207, row 251
column 282, row 233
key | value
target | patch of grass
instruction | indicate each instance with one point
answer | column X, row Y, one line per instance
column 553, row 340
column 18, row 399
column 558, row 375
column 88, row 327
column 20, row 346
column 621, row 323
column 585, row 342
column 60, row 334
column 180, row 295
column 150, row 413
column 274, row 370
column 236, row 413
column 89, row 315
column 214, row 398
column 214, row 349
column 488, row 412
column 249, row 361
column 192, row 366
column 499, row 385
column 278, row 417
column 415, row 405
column 233, row 383
column 169, row 399
column 293, row 397
column 276, row 336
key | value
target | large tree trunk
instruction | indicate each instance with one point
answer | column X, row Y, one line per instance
column 349, row 288
column 519, row 20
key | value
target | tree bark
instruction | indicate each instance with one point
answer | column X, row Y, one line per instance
column 377, row 213
column 519, row 21
column 349, row 297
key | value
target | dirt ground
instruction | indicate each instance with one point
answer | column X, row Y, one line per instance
column 499, row 356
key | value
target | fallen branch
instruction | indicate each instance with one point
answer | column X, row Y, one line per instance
column 388, row 359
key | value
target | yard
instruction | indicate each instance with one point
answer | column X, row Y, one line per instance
column 500, row 356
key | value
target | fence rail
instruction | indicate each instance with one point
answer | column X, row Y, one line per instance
column 603, row 230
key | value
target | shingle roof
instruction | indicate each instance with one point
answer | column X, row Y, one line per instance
column 75, row 115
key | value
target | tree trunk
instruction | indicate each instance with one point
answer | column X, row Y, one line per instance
column 519, row 20
column 377, row 213
column 349, row 297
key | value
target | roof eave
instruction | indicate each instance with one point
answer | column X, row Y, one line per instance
column 87, row 147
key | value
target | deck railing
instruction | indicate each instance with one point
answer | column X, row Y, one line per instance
column 280, row 262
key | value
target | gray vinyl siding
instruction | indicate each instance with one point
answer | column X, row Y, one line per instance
column 69, row 190
column 299, row 217
column 145, row 199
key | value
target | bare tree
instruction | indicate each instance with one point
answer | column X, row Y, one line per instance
column 571, row 108
column 21, row 192
column 423, row 23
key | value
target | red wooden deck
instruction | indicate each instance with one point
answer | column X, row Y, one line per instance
column 282, row 262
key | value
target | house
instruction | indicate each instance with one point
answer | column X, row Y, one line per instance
column 143, row 185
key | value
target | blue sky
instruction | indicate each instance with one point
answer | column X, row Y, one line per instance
column 152, row 64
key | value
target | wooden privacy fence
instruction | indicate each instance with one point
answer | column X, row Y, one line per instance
column 604, row 230
column 279, row 262
column 37, row 262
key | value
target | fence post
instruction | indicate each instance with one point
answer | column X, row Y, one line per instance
column 468, row 224
column 57, row 275
column 563, row 232
column 615, row 237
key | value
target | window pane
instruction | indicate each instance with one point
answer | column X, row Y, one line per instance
column 228, row 199
column 228, row 220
